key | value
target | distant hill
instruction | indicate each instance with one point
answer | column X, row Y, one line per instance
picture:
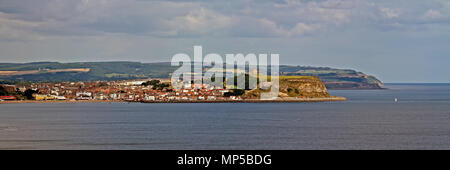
column 90, row 71
column 48, row 71
column 335, row 78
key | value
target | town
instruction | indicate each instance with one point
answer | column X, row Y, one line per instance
column 148, row 90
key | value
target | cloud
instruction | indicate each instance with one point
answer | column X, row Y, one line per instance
column 13, row 29
column 390, row 13
column 360, row 34
column 432, row 14
column 254, row 27
column 188, row 18
column 197, row 22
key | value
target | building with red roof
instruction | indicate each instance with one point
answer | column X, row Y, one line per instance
column 7, row 98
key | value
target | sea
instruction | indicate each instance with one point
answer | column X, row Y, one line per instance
column 370, row 119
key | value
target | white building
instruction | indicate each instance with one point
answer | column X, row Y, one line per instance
column 84, row 94
column 134, row 83
column 60, row 98
column 150, row 98
column 114, row 96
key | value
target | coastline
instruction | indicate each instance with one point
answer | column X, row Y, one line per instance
column 296, row 100
column 61, row 101
column 356, row 89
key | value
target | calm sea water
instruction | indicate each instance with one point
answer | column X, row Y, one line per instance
column 369, row 120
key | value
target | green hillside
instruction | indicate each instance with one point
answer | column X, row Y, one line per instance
column 51, row 72
column 335, row 78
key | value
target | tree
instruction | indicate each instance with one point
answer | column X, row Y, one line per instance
column 235, row 92
column 3, row 92
column 29, row 94
column 157, row 85
column 160, row 86
column 151, row 82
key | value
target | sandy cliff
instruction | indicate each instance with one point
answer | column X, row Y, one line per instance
column 292, row 87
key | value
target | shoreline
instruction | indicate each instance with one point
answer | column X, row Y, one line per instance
column 61, row 101
column 304, row 100
column 298, row 100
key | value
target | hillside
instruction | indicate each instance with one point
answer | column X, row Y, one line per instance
column 89, row 71
column 296, row 87
column 335, row 78
column 53, row 71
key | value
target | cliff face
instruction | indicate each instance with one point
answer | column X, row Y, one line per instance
column 296, row 87
column 335, row 78
column 302, row 86
column 359, row 81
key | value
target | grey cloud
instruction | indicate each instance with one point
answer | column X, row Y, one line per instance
column 248, row 18
column 374, row 36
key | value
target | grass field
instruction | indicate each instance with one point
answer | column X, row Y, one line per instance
column 17, row 73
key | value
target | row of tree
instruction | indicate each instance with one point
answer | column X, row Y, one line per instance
column 27, row 95
column 156, row 84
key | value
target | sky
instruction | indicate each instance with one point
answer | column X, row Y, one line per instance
column 395, row 40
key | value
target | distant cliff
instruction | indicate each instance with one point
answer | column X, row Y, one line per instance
column 90, row 71
column 335, row 78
